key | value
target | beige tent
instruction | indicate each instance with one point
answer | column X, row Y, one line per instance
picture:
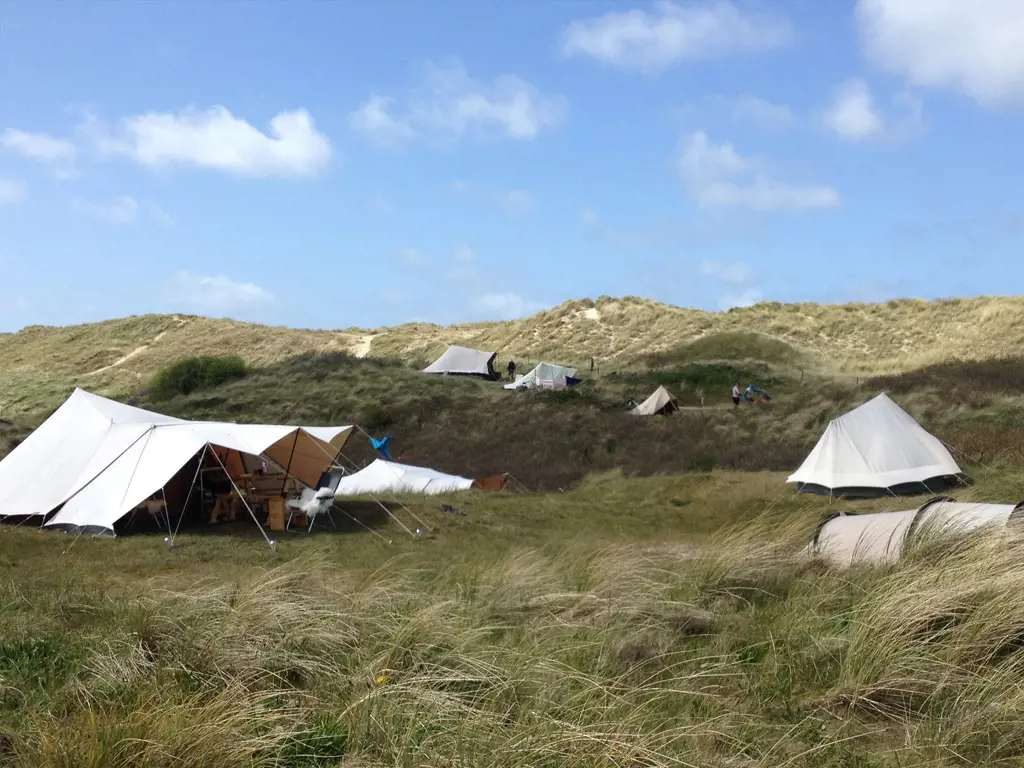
column 661, row 401
column 877, row 538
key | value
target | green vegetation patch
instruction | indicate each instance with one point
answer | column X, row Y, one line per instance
column 195, row 373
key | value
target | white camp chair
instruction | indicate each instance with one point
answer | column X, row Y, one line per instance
column 311, row 503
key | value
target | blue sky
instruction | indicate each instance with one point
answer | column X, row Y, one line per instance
column 351, row 162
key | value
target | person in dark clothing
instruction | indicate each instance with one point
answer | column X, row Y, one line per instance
column 511, row 370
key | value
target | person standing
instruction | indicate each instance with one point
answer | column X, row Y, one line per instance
column 736, row 394
column 511, row 370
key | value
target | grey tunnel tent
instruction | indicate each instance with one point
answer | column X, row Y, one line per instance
column 874, row 450
column 879, row 538
column 463, row 361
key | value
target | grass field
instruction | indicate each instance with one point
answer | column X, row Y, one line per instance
column 649, row 604
column 658, row 621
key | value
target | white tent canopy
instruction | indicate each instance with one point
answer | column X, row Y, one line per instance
column 660, row 401
column 464, row 361
column 95, row 460
column 391, row 477
column 875, row 448
column 544, row 376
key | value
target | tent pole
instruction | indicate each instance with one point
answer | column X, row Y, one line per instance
column 360, row 522
column 191, row 488
column 273, row 544
column 392, row 516
column 288, row 469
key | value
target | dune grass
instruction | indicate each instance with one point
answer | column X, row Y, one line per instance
column 655, row 622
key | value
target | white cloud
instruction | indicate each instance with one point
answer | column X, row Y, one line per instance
column 970, row 47
column 412, row 258
column 217, row 139
column 650, row 41
column 450, row 105
column 506, row 306
column 373, row 119
column 853, row 115
column 588, row 216
column 122, row 210
column 12, row 191
column 464, row 254
column 514, row 201
column 717, row 175
column 747, row 298
column 217, row 294
column 736, row 272
column 59, row 153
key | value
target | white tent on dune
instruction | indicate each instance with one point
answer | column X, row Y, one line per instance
column 96, row 460
column 463, row 361
column 876, row 449
column 544, row 376
column 661, row 401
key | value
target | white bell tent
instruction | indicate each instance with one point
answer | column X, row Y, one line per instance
column 661, row 401
column 876, row 449
column 96, row 460
column 544, row 376
column 462, row 361
column 381, row 477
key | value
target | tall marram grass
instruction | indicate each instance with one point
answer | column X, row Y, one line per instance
column 743, row 653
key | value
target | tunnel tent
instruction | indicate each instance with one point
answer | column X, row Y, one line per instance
column 95, row 460
column 846, row 539
column 381, row 477
column 661, row 401
column 463, row 361
column 876, row 449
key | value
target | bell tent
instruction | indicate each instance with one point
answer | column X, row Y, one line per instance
column 95, row 460
column 462, row 361
column 545, row 376
column 660, row 402
column 874, row 450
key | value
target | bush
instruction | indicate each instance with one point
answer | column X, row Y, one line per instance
column 194, row 373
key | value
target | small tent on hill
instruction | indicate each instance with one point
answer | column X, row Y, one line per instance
column 545, row 376
column 660, row 402
column 382, row 477
column 462, row 361
column 876, row 449
column 95, row 460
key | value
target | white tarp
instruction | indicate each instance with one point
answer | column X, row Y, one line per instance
column 100, row 459
column 544, row 376
column 391, row 477
column 660, row 401
column 464, row 361
column 877, row 445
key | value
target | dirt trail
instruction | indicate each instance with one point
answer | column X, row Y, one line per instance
column 129, row 356
column 362, row 347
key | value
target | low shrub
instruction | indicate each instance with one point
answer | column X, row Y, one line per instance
column 193, row 373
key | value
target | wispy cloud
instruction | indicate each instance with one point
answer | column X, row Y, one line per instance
column 59, row 154
column 12, row 191
column 122, row 210
column 717, row 175
column 217, row 294
column 506, row 306
column 449, row 105
column 654, row 38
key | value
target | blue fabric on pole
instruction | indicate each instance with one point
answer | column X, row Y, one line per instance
column 381, row 446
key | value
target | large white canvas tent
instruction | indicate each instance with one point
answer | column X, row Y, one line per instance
column 877, row 538
column 544, row 376
column 95, row 460
column 660, row 401
column 462, row 361
column 875, row 449
column 382, row 477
